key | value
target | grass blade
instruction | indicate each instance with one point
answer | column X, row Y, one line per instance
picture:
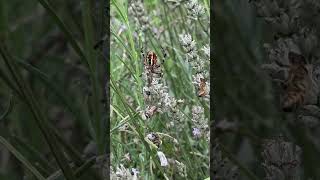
column 8, row 109
column 34, row 106
column 92, row 60
column 78, row 172
column 78, row 113
column 75, row 156
column 24, row 147
column 65, row 30
column 21, row 158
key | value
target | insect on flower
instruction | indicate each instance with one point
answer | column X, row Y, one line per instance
column 297, row 84
column 150, row 111
column 151, row 62
column 202, row 88
column 151, row 59
column 155, row 139
column 152, row 65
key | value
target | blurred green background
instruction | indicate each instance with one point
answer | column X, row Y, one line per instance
column 242, row 91
column 52, row 49
column 244, row 94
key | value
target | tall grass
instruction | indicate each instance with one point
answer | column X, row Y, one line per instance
column 54, row 114
column 157, row 26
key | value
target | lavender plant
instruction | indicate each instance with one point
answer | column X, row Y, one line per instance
column 281, row 38
column 293, row 53
column 154, row 89
column 281, row 159
column 292, row 34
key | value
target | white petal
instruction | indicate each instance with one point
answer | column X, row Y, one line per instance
column 163, row 159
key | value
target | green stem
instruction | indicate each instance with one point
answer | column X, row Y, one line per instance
column 93, row 64
column 8, row 109
column 65, row 30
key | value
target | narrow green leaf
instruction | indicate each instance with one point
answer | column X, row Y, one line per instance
column 9, row 83
column 65, row 30
column 8, row 109
column 21, row 158
column 76, row 111
column 82, row 169
column 26, row 148
column 91, row 55
column 36, row 110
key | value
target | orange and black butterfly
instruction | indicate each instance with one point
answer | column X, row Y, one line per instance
column 297, row 83
column 202, row 88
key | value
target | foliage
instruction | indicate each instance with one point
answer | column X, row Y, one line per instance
column 159, row 125
column 51, row 90
column 257, row 131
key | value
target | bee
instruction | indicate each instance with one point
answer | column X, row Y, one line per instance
column 151, row 111
column 155, row 139
column 202, row 88
column 297, row 83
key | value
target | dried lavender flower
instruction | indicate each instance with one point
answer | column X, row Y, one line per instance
column 195, row 9
column 137, row 10
column 157, row 94
column 200, row 122
column 123, row 173
column 222, row 167
column 135, row 171
column 206, row 50
column 281, row 159
column 157, row 97
column 182, row 169
column 307, row 40
column 267, row 8
column 189, row 45
column 292, row 34
column 173, row 3
column 196, row 132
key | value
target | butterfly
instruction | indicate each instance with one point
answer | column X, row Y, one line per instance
column 297, row 83
column 202, row 88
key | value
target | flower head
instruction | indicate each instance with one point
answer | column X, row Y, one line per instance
column 206, row 50
column 123, row 173
column 163, row 159
column 200, row 123
column 137, row 10
column 222, row 167
column 195, row 10
column 281, row 159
